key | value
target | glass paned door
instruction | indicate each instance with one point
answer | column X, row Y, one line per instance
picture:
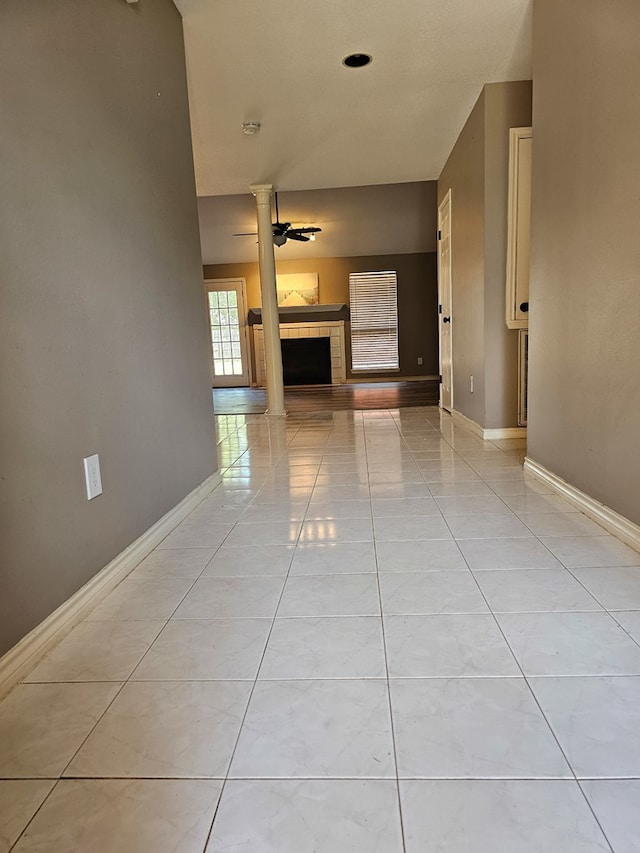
column 227, row 320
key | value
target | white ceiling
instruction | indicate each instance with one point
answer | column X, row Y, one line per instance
column 324, row 125
column 375, row 220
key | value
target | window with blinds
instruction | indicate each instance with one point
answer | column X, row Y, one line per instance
column 373, row 303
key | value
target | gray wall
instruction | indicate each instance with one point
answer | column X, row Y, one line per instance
column 103, row 339
column 477, row 173
column 463, row 174
column 584, row 392
column 506, row 105
column 394, row 219
column 417, row 299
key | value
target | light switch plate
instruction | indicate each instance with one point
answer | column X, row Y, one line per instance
column 92, row 476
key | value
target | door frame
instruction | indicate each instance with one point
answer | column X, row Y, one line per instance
column 518, row 226
column 245, row 343
column 445, row 201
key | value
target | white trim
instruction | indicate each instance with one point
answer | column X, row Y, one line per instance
column 523, row 376
column 488, row 434
column 464, row 421
column 616, row 524
column 447, row 200
column 515, row 233
column 506, row 432
column 20, row 659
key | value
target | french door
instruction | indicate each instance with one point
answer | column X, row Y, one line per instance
column 226, row 303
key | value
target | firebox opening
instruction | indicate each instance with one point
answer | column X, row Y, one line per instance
column 306, row 361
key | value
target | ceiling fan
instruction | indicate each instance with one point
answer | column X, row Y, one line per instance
column 282, row 231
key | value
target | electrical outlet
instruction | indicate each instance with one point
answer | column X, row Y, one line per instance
column 92, row 477
column 471, row 384
column 419, row 359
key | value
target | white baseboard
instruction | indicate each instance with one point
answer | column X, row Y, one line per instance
column 616, row 524
column 488, row 434
column 19, row 660
column 507, row 432
column 464, row 421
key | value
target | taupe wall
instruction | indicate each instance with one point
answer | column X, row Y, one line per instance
column 417, row 298
column 584, row 391
column 103, row 339
column 477, row 174
column 506, row 105
column 463, row 174
column 397, row 219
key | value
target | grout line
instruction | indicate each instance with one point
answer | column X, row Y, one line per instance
column 372, row 431
column 539, row 706
column 391, row 779
column 388, row 683
column 611, row 613
column 253, row 688
column 128, row 679
column 391, row 678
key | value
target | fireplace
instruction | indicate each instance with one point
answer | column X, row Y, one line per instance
column 334, row 330
column 306, row 361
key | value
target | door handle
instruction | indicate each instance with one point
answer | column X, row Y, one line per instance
column 446, row 319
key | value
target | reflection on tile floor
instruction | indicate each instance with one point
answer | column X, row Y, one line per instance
column 377, row 634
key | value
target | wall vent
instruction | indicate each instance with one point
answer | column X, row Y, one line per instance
column 523, row 376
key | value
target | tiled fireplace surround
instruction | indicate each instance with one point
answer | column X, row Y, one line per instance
column 334, row 330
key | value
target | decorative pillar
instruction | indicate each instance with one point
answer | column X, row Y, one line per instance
column 270, row 320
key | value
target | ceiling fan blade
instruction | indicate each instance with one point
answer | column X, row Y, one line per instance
column 295, row 235
column 307, row 230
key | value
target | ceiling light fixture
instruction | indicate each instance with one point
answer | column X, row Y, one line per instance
column 357, row 60
column 250, row 128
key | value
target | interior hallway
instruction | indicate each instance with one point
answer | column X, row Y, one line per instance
column 376, row 635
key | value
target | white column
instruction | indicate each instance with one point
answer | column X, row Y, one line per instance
column 270, row 321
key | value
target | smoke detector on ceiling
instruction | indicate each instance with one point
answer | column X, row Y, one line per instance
column 250, row 128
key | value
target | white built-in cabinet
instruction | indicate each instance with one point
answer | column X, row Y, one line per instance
column 518, row 232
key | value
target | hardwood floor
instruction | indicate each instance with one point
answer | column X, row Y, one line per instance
column 371, row 395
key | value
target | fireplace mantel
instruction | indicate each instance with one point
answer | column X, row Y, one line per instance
column 304, row 314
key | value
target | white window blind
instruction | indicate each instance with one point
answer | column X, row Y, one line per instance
column 373, row 303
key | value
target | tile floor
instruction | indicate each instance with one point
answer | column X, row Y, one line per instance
column 377, row 634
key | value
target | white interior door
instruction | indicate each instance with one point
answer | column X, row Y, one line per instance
column 226, row 304
column 444, row 298
column 519, row 227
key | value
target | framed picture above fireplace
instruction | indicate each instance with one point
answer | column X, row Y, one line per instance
column 297, row 289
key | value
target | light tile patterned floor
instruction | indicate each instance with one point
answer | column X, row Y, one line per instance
column 377, row 634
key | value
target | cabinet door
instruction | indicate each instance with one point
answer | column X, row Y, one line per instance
column 519, row 227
